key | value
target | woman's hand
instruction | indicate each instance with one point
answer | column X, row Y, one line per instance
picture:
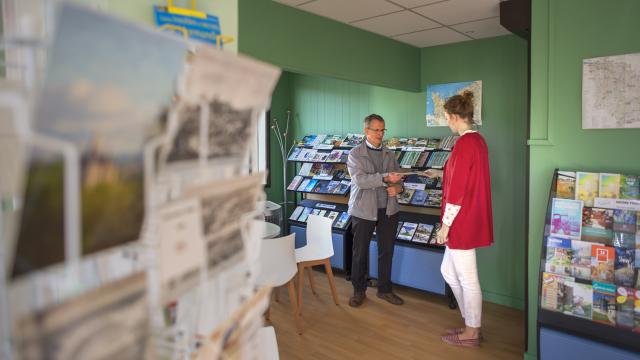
column 432, row 173
column 442, row 237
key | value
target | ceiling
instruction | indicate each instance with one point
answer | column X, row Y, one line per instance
column 420, row 23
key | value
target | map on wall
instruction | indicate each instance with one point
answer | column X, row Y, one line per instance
column 438, row 94
column 611, row 92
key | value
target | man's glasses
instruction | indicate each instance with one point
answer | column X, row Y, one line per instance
column 377, row 130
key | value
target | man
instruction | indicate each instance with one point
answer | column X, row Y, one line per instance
column 375, row 183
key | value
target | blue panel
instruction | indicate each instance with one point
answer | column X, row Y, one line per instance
column 337, row 260
column 559, row 345
column 412, row 267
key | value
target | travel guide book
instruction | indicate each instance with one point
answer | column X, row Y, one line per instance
column 559, row 254
column 423, row 233
column 566, row 185
column 407, row 230
column 597, row 225
column 609, row 186
column 602, row 263
column 604, row 303
column 629, row 187
column 566, row 218
column 587, row 187
column 581, row 259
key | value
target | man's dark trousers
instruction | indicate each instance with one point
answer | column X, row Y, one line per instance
column 386, row 227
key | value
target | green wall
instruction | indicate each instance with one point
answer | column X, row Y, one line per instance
column 309, row 44
column 325, row 105
column 564, row 33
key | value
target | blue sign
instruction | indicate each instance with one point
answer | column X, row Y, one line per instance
column 205, row 28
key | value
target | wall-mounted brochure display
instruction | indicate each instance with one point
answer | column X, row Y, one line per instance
column 590, row 263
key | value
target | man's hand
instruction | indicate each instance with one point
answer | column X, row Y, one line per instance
column 393, row 177
column 442, row 237
column 432, row 173
column 393, row 190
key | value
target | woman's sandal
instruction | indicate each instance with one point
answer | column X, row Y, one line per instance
column 457, row 331
column 454, row 339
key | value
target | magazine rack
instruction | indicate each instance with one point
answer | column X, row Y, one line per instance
column 563, row 331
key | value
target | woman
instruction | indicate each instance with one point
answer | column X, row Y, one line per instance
column 467, row 221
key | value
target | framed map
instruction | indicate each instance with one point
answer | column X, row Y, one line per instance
column 610, row 92
column 438, row 94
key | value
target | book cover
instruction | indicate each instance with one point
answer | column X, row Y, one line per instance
column 344, row 187
column 412, row 141
column 315, row 211
column 399, row 228
column 295, row 182
column 624, row 267
column 353, row 140
column 407, row 230
column 604, row 303
column 296, row 213
column 398, row 155
column 294, row 154
column 333, row 140
column 324, row 172
column 305, row 169
column 334, row 156
column 552, row 293
column 559, row 255
column 624, row 220
column 342, row 220
column 307, row 155
column 423, row 233
column 333, row 185
column 597, row 225
column 566, row 218
column 419, row 198
column 625, row 299
column 434, row 197
column 624, row 240
column 581, row 259
column 421, row 142
column 333, row 215
column 405, row 196
column 609, row 186
column 322, row 212
column 433, row 144
column 320, row 156
column 392, row 143
column 422, row 159
column 321, row 187
column 345, row 156
column 308, row 140
column 629, row 187
column 602, row 263
column 318, row 139
column 578, row 299
column 587, row 187
column 305, row 214
column 312, row 184
column 436, row 228
column 566, row 185
column 303, row 185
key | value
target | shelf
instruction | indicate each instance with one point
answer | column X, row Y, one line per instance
column 319, row 193
column 318, row 162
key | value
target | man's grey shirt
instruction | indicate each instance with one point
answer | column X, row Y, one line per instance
column 366, row 181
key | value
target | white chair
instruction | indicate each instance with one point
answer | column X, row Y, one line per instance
column 318, row 251
column 269, row 344
column 278, row 267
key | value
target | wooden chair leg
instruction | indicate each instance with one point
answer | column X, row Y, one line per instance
column 276, row 291
column 332, row 284
column 313, row 285
column 300, row 286
column 294, row 306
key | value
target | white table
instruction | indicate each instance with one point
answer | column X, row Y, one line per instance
column 267, row 230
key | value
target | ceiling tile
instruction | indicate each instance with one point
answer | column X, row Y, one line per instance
column 291, row 2
column 351, row 10
column 432, row 37
column 459, row 11
column 396, row 23
column 482, row 28
column 415, row 3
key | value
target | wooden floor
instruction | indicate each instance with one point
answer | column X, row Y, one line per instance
column 379, row 330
